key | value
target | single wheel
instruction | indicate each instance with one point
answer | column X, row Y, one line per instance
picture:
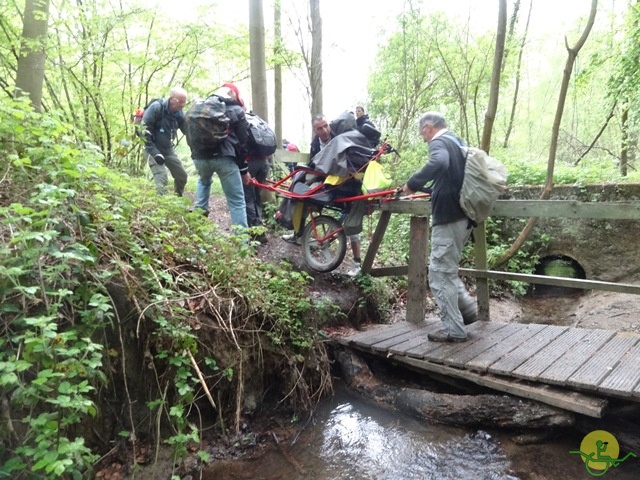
column 324, row 243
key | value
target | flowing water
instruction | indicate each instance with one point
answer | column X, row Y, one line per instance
column 355, row 439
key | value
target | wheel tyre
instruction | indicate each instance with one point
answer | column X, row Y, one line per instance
column 329, row 254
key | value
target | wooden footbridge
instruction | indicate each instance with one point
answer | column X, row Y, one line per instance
column 571, row 368
column 574, row 369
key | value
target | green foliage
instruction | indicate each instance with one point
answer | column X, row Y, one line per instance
column 452, row 77
column 73, row 232
column 374, row 291
column 104, row 61
column 50, row 303
column 523, row 261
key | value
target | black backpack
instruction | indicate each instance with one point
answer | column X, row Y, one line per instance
column 207, row 123
column 262, row 139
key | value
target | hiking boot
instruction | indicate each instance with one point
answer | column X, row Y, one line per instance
column 201, row 211
column 443, row 336
column 291, row 238
column 469, row 319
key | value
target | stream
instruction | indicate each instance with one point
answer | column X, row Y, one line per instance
column 355, row 439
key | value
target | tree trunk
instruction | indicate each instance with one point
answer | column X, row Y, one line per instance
column 516, row 89
column 277, row 70
column 624, row 149
column 494, row 92
column 315, row 72
column 572, row 53
column 31, row 63
column 461, row 410
column 258, row 64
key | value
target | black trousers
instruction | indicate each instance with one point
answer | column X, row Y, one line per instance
column 258, row 168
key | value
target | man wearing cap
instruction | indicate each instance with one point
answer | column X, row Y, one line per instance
column 227, row 160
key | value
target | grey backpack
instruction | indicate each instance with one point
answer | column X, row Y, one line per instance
column 485, row 179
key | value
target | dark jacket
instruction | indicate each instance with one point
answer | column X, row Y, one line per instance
column 160, row 127
column 362, row 120
column 368, row 129
column 347, row 151
column 314, row 149
column 445, row 169
column 236, row 143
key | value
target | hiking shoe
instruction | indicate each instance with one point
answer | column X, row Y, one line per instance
column 443, row 336
column 291, row 238
column 354, row 272
column 469, row 319
column 201, row 211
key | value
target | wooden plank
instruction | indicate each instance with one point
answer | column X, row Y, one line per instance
column 460, row 358
column 282, row 155
column 524, row 352
column 567, row 209
column 559, row 372
column 554, row 396
column 501, row 349
column 399, row 271
column 596, row 369
column 477, row 332
column 416, row 341
column 376, row 241
column 532, row 368
column 557, row 281
column 482, row 284
column 536, row 208
column 624, row 378
column 385, row 344
column 417, row 281
column 378, row 333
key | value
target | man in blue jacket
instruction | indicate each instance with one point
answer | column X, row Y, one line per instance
column 450, row 227
column 161, row 121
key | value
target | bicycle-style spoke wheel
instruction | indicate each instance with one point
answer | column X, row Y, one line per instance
column 324, row 243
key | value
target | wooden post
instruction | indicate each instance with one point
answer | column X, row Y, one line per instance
column 418, row 262
column 482, row 284
column 376, row 240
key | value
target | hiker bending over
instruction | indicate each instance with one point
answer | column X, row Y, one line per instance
column 450, row 227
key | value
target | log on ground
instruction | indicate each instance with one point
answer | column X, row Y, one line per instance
column 461, row 410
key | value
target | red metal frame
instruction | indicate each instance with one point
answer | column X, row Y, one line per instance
column 312, row 220
column 281, row 187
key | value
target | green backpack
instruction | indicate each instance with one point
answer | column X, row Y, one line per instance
column 207, row 123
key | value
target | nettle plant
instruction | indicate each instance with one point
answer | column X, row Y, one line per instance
column 49, row 303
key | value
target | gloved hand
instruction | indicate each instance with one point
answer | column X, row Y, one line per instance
column 159, row 158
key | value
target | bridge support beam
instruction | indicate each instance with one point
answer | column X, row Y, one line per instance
column 418, row 264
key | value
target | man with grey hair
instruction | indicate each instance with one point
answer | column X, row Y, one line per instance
column 161, row 121
column 450, row 226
